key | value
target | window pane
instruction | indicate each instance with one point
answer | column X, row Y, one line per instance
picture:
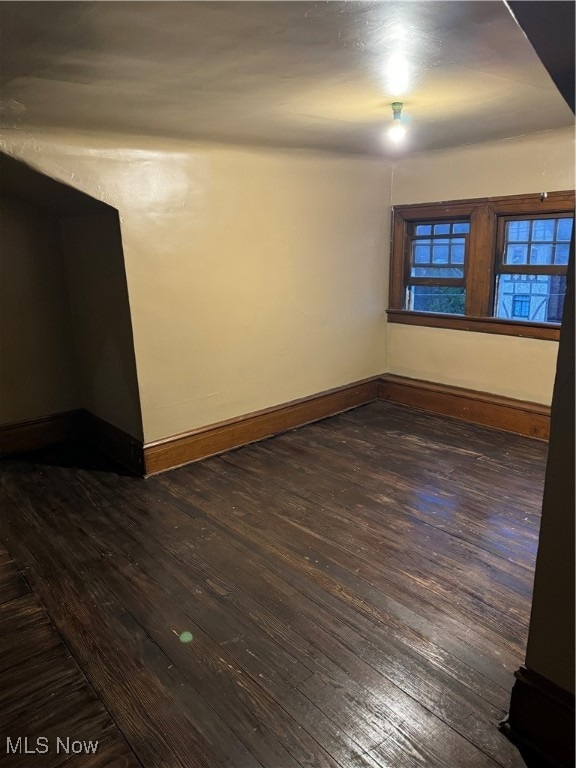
column 541, row 254
column 561, row 253
column 534, row 241
column 516, row 254
column 564, row 229
column 440, row 253
column 436, row 298
column 556, row 298
column 543, row 229
column 535, row 298
column 447, row 255
column 422, row 252
column 457, row 252
column 518, row 230
column 461, row 227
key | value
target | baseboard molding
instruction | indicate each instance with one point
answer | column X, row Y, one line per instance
column 517, row 416
column 23, row 436
column 541, row 717
column 113, row 442
column 217, row 438
column 79, row 424
column 520, row 417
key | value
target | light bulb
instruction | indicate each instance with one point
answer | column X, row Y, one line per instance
column 397, row 132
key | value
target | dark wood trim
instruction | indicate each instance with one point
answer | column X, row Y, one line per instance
column 217, row 438
column 113, row 442
column 22, row 436
column 78, row 424
column 518, row 416
column 555, row 202
column 444, row 209
column 542, row 717
column 480, row 262
column 456, row 282
column 477, row 324
column 398, row 265
column 531, row 269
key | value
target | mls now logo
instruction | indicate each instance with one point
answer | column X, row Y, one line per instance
column 40, row 746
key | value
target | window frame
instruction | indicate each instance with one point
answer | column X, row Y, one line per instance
column 412, row 236
column 486, row 216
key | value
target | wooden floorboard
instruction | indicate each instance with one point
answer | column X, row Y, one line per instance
column 355, row 593
column 12, row 583
column 47, row 707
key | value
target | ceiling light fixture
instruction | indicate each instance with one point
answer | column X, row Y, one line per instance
column 397, row 132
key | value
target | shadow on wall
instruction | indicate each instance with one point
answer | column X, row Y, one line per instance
column 65, row 328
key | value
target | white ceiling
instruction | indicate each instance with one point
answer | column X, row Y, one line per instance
column 295, row 74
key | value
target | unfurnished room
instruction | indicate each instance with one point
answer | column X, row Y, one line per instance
column 287, row 384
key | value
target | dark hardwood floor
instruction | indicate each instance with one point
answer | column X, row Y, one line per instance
column 43, row 693
column 355, row 593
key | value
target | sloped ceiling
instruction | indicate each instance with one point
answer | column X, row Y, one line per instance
column 293, row 74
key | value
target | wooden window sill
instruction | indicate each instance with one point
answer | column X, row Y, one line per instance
column 476, row 324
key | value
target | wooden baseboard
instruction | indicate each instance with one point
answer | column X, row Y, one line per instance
column 522, row 418
column 542, row 717
column 217, row 438
column 23, row 436
column 517, row 416
column 113, row 442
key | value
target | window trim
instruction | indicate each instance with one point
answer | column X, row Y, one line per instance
column 484, row 215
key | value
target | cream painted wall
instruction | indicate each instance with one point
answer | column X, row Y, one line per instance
column 255, row 277
column 36, row 352
column 505, row 365
column 537, row 163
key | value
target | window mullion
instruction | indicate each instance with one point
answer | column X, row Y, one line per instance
column 480, row 262
column 398, row 262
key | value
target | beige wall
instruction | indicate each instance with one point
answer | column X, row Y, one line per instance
column 255, row 277
column 36, row 355
column 505, row 365
column 100, row 319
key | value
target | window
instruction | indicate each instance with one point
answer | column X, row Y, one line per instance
column 437, row 262
column 520, row 308
column 531, row 271
column 496, row 264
